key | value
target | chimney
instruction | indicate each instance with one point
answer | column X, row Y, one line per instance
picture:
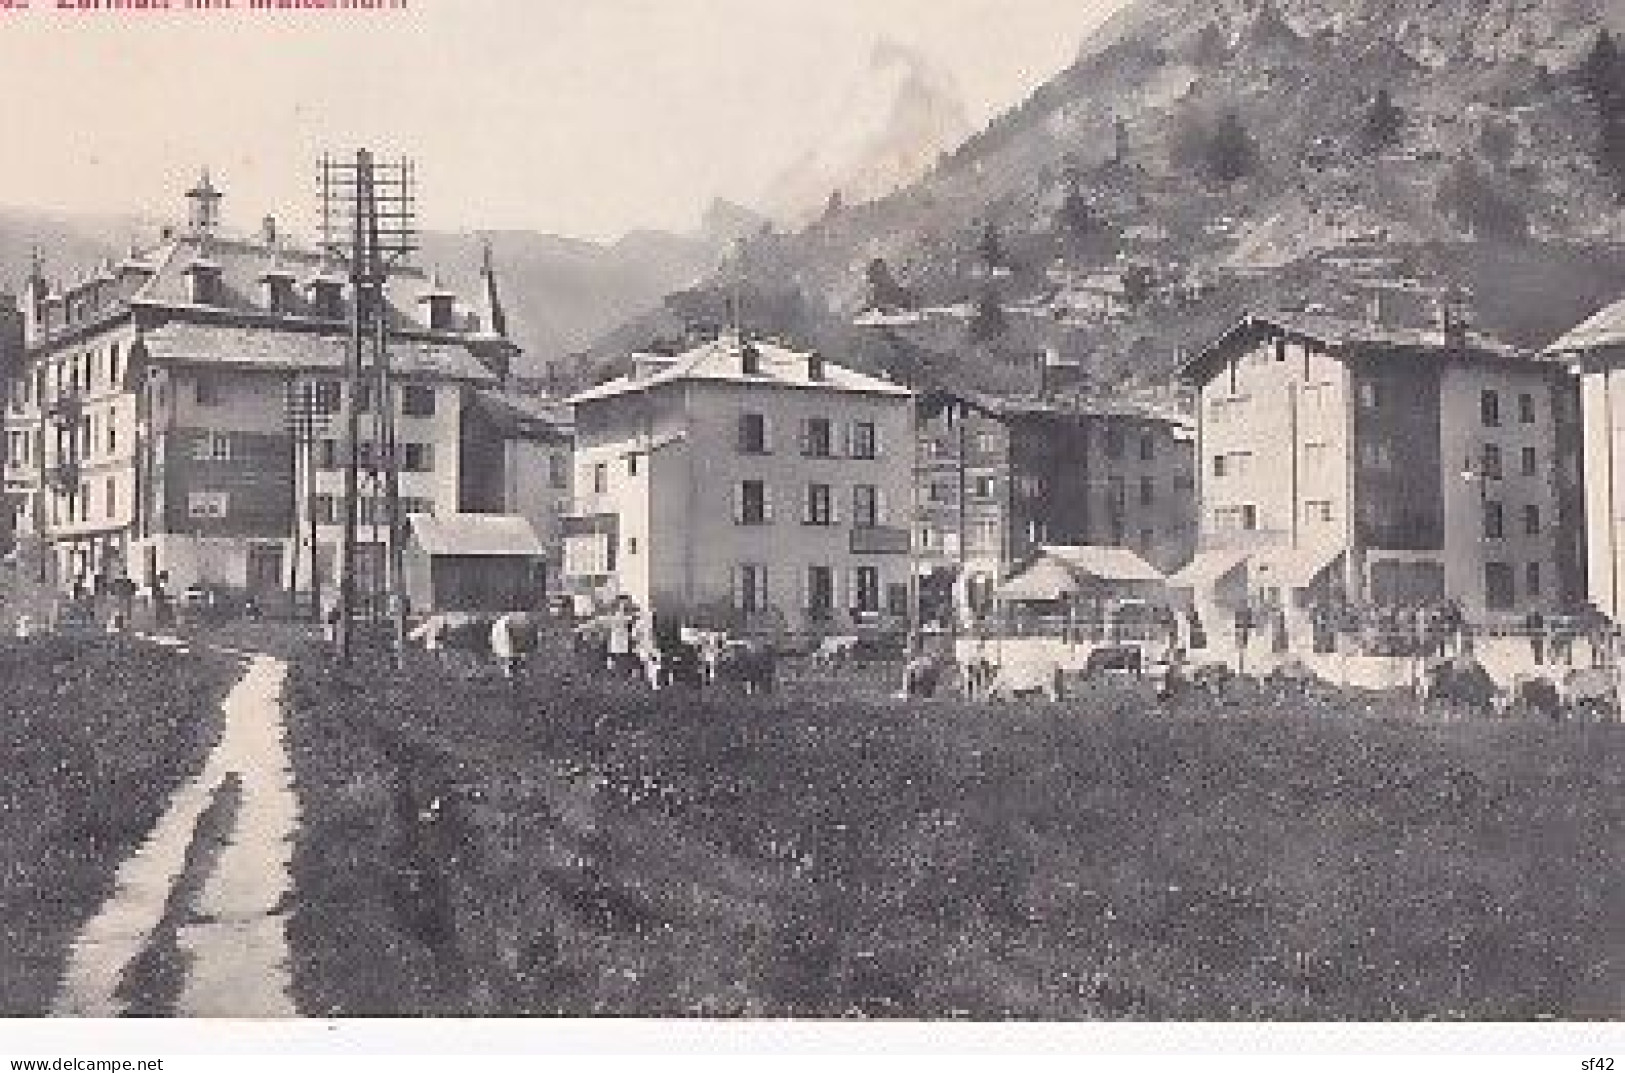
column 203, row 200
column 268, row 233
column 1453, row 319
column 750, row 359
column 815, row 365
column 1374, row 309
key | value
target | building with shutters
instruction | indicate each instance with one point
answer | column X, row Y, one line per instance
column 1388, row 466
column 146, row 424
column 745, row 484
column 998, row 478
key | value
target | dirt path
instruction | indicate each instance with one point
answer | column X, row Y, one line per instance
column 229, row 937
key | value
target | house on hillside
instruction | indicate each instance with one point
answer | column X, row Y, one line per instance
column 1342, row 459
column 998, row 478
column 748, row 485
column 146, row 419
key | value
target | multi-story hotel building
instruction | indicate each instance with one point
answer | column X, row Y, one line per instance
column 998, row 478
column 146, row 418
column 1385, row 465
column 746, row 483
column 1595, row 349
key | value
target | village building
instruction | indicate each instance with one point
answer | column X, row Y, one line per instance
column 1595, row 350
column 147, row 427
column 745, row 484
column 998, row 478
column 518, row 459
column 1353, row 461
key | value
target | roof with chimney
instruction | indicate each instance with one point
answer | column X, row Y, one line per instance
column 1601, row 330
column 724, row 360
column 1344, row 336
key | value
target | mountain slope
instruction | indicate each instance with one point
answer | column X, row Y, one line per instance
column 1226, row 150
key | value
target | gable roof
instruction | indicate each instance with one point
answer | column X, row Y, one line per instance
column 721, row 361
column 525, row 415
column 1342, row 336
column 273, row 348
column 1604, row 328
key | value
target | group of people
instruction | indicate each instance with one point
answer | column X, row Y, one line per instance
column 104, row 603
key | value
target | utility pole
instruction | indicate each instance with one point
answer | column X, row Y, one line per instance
column 367, row 219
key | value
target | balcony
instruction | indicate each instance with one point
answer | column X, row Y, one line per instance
column 879, row 540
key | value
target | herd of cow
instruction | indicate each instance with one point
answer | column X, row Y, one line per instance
column 703, row 658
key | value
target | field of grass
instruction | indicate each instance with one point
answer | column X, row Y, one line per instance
column 579, row 848
column 94, row 734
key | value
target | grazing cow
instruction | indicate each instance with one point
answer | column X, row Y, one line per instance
column 835, row 651
column 1533, row 694
column 922, row 676
column 456, row 637
column 672, row 661
column 1457, row 682
column 1127, row 658
column 514, row 638
column 750, row 665
column 977, row 673
column 1588, row 694
column 1032, row 676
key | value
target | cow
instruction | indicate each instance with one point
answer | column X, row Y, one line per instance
column 1033, row 676
column 922, row 676
column 671, row 661
column 1126, row 658
column 750, row 665
column 835, row 651
column 1533, row 694
column 1589, row 694
column 456, row 637
column 1456, row 683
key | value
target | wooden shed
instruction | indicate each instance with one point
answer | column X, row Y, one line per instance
column 474, row 562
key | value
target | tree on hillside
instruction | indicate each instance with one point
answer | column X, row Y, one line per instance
column 1477, row 205
column 885, row 292
column 990, row 248
column 1384, row 121
column 1231, row 153
column 1602, row 77
column 987, row 321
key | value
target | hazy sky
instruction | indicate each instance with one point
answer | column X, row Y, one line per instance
column 584, row 117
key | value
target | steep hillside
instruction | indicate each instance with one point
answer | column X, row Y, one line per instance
column 1202, row 156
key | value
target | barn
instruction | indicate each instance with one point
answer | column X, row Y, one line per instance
column 474, row 562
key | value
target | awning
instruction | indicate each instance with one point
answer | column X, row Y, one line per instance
column 1294, row 568
column 1208, row 568
column 476, row 535
column 1045, row 579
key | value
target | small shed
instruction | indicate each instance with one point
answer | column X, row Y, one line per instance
column 474, row 562
column 1058, row 573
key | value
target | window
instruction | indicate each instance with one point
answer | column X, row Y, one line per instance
column 112, row 434
column 209, row 390
column 1530, row 462
column 1489, row 408
column 558, row 470
column 327, row 454
column 1499, row 587
column 84, row 502
column 1317, row 510
column 631, row 545
column 418, row 458
column 1532, row 580
column 416, row 505
column 212, row 447
column 866, row 590
column 112, row 497
column 1314, row 455
column 750, row 587
column 327, row 394
column 865, row 443
column 115, row 371
column 897, row 599
column 1526, row 409
column 363, row 398
column 208, row 504
column 1114, row 443
column 1148, row 448
column 819, row 508
column 1148, row 491
column 988, row 443
column 751, row 507
column 984, row 487
column 1230, row 519
column 1219, row 465
column 1370, row 395
column 816, row 438
column 632, row 464
column 1531, row 520
column 1116, row 493
column 326, row 510
column 865, row 506
column 600, row 477
column 417, row 400
column 1490, row 465
column 1147, row 539
column 1376, row 455
column 820, row 593
column 753, row 434
column 1494, row 521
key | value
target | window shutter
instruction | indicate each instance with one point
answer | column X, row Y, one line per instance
column 736, row 583
column 767, row 504
column 851, row 430
column 834, row 506
column 880, row 506
column 880, row 448
column 767, row 434
column 804, row 591
column 806, row 436
column 739, row 503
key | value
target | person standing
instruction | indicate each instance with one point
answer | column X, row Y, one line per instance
column 1535, row 626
